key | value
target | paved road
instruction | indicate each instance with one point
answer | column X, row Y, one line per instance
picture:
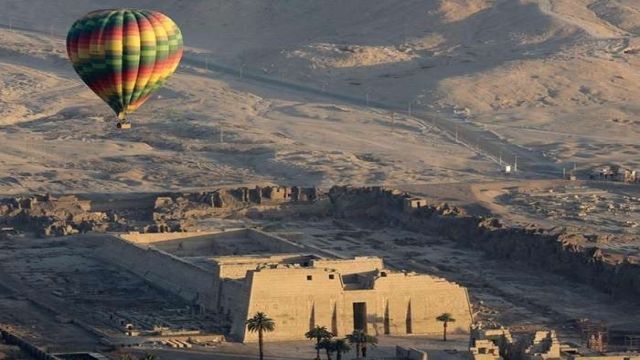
column 530, row 162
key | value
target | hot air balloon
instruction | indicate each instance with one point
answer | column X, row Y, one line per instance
column 124, row 55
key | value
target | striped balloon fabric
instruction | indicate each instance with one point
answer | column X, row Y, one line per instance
column 124, row 55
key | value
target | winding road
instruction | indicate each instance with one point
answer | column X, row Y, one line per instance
column 530, row 163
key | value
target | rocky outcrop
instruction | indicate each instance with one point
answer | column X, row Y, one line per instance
column 47, row 215
column 51, row 216
column 181, row 206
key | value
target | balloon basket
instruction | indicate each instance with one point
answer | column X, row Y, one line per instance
column 123, row 125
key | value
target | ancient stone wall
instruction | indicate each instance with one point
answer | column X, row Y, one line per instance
column 179, row 206
column 237, row 267
column 50, row 216
column 297, row 294
column 553, row 250
column 360, row 264
column 197, row 285
column 396, row 304
column 145, row 238
column 230, row 242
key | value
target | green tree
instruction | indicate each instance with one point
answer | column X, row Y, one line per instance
column 318, row 334
column 340, row 347
column 445, row 318
column 327, row 345
column 360, row 338
column 126, row 357
column 260, row 323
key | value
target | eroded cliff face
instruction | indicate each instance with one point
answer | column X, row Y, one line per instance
column 576, row 256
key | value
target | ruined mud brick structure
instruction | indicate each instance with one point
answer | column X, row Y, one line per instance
column 543, row 345
column 228, row 273
column 178, row 206
column 48, row 215
column 556, row 250
column 497, row 344
column 484, row 349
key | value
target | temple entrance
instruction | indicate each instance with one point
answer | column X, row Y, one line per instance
column 360, row 316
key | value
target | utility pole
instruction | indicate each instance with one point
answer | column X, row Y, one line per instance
column 500, row 159
column 393, row 122
column 404, row 31
column 456, row 133
column 515, row 166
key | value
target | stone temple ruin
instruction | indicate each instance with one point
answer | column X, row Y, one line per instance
column 193, row 288
column 240, row 272
column 53, row 216
column 49, row 215
column 496, row 344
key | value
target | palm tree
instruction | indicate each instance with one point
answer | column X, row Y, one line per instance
column 260, row 323
column 446, row 318
column 318, row 333
column 340, row 346
column 360, row 338
column 327, row 345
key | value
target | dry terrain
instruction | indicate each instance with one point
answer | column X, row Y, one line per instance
column 290, row 93
column 73, row 285
column 555, row 76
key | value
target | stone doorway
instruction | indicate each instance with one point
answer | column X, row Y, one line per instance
column 360, row 316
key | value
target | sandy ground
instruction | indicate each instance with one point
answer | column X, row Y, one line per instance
column 203, row 129
column 556, row 76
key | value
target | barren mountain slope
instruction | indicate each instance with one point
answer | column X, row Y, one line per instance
column 201, row 130
column 559, row 76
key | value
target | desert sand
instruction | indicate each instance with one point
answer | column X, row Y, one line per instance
column 557, row 77
column 289, row 92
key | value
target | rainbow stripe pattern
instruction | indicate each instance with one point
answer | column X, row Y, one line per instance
column 124, row 55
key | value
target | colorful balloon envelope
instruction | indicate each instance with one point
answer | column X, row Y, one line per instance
column 124, row 55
